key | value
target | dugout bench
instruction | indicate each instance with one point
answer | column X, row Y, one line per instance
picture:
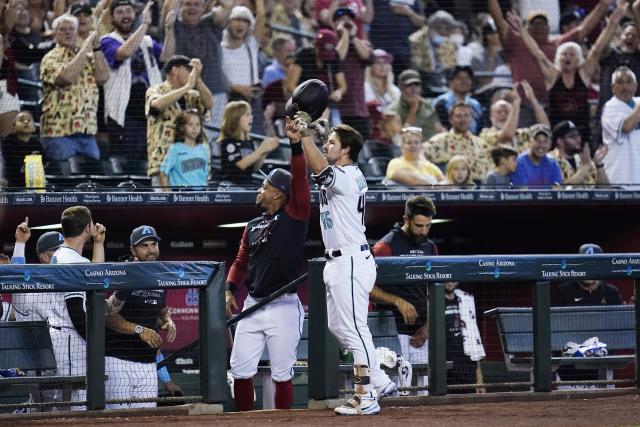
column 27, row 346
column 614, row 325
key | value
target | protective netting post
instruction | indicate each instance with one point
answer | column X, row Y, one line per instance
column 541, row 337
column 95, row 350
column 636, row 294
column 213, row 349
column 437, row 341
column 323, row 347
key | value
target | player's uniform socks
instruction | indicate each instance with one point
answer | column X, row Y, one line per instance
column 243, row 390
column 284, row 394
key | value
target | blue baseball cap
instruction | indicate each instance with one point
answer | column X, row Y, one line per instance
column 280, row 179
column 590, row 249
column 142, row 233
column 49, row 241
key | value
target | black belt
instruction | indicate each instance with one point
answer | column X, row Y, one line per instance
column 56, row 327
column 338, row 253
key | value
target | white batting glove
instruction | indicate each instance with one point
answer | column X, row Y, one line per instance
column 322, row 127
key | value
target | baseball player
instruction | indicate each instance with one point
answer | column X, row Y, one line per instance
column 350, row 271
column 269, row 257
column 33, row 306
column 67, row 319
column 409, row 303
column 132, row 340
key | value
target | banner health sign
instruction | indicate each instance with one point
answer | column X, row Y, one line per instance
column 106, row 276
column 515, row 268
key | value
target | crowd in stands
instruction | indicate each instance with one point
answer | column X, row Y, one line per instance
column 499, row 95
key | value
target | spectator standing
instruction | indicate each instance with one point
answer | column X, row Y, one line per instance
column 198, row 34
column 505, row 117
column 163, row 104
column 523, row 64
column 133, row 58
column 464, row 344
column 288, row 13
column 459, row 140
column 490, row 53
column 460, row 83
column 239, row 156
column 400, row 19
column 535, row 167
column 574, row 156
column 18, row 144
column 188, row 159
column 240, row 57
column 432, row 48
column 355, row 54
column 620, row 130
column 131, row 338
column 409, row 303
column 10, row 105
column 284, row 53
column 413, row 109
column 567, row 80
column 28, row 46
column 504, row 158
column 70, row 79
column 362, row 9
column 411, row 168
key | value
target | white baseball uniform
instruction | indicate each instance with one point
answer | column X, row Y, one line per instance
column 350, row 272
column 29, row 306
column 68, row 346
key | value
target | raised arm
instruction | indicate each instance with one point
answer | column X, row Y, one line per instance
column 538, row 109
column 601, row 47
column 498, row 18
column 590, row 21
column 70, row 72
column 299, row 206
column 546, row 67
column 508, row 131
column 98, row 233
column 163, row 102
column 315, row 159
column 260, row 28
column 133, row 43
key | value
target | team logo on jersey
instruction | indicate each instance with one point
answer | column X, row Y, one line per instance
column 191, row 298
column 231, row 148
column 27, row 275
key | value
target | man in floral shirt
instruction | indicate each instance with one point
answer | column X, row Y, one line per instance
column 459, row 140
column 70, row 78
column 183, row 89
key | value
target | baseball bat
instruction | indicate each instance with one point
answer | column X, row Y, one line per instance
column 244, row 313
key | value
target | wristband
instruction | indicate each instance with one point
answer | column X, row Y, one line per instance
column 230, row 287
column 296, row 148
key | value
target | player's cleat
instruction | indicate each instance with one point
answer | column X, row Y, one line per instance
column 366, row 404
column 387, row 390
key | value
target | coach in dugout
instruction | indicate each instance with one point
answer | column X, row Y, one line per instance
column 131, row 338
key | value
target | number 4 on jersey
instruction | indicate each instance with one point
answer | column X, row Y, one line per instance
column 361, row 207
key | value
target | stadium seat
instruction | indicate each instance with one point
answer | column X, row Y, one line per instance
column 58, row 168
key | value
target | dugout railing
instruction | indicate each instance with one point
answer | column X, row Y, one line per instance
column 95, row 279
column 539, row 270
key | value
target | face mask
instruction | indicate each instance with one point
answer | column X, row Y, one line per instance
column 457, row 38
column 437, row 39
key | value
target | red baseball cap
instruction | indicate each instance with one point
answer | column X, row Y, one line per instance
column 325, row 44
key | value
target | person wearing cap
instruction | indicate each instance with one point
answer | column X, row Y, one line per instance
column 574, row 156
column 432, row 47
column 523, row 65
column 163, row 105
column 460, row 83
column 33, row 306
column 240, row 56
column 379, row 88
column 535, row 167
column 269, row 257
column 411, row 168
column 621, row 129
column 504, row 118
column 362, row 9
column 319, row 62
column 459, row 140
column 356, row 54
column 133, row 58
column 393, row 23
column 70, row 79
column 134, row 319
column 413, row 109
column 198, row 33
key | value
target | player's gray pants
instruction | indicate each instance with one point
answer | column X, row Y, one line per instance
column 349, row 280
column 130, row 380
column 279, row 325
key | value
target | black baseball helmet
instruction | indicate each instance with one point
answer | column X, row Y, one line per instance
column 311, row 96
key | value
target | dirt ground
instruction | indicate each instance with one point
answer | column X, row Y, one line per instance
column 610, row 411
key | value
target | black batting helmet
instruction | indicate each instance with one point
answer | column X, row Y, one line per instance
column 311, row 96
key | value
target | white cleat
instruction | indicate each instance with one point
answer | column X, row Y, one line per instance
column 366, row 404
column 389, row 389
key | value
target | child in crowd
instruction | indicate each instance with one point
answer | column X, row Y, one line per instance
column 458, row 171
column 18, row 144
column 504, row 157
column 188, row 159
